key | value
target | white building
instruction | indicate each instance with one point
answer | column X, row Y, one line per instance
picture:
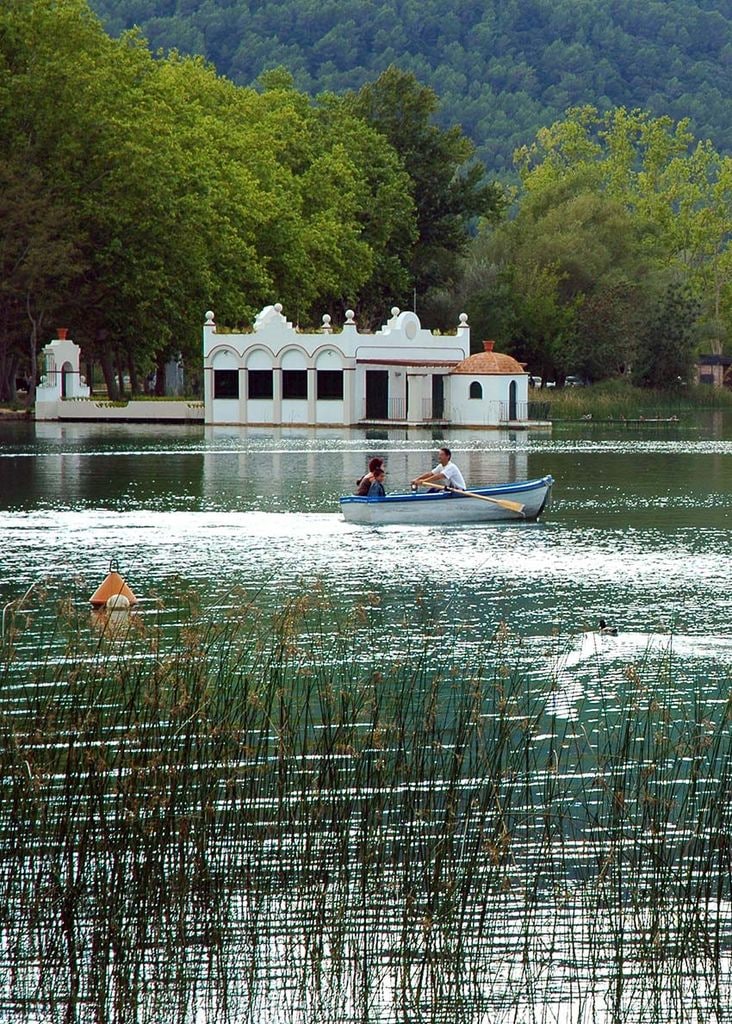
column 62, row 378
column 402, row 375
column 63, row 394
column 488, row 389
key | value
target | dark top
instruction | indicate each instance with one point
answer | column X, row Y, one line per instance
column 376, row 490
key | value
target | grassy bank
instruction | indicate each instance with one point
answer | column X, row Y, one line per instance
column 618, row 400
column 247, row 814
column 15, row 411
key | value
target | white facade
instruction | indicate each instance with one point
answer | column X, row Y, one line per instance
column 402, row 374
column 489, row 389
column 62, row 378
column 63, row 394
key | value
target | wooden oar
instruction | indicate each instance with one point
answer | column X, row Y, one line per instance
column 512, row 506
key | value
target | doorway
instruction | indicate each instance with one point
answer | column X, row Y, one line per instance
column 512, row 400
column 377, row 394
column 66, row 371
column 438, row 396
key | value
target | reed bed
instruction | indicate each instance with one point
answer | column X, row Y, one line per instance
column 618, row 400
column 247, row 817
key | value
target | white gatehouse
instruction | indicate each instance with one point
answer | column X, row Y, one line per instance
column 62, row 378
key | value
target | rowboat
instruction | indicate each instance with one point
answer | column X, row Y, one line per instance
column 520, row 501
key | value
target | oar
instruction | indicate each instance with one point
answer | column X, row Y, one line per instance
column 512, row 506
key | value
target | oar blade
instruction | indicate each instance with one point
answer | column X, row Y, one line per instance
column 512, row 506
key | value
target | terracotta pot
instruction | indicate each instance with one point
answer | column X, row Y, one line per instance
column 61, row 333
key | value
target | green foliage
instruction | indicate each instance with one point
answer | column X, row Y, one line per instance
column 139, row 192
column 501, row 69
column 448, row 189
column 611, row 205
column 667, row 344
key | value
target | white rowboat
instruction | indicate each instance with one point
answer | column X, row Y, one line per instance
column 451, row 508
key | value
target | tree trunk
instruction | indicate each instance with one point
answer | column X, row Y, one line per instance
column 105, row 360
column 120, row 375
column 12, row 372
column 6, row 370
column 134, row 382
column 160, row 374
column 36, row 325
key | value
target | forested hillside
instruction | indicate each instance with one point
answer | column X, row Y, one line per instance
column 137, row 191
column 502, row 68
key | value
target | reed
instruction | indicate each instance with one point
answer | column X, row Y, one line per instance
column 618, row 400
column 242, row 817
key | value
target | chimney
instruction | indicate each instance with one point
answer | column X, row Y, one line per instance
column 488, row 345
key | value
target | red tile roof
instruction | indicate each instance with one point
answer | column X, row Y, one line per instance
column 489, row 362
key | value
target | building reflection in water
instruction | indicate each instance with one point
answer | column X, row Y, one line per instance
column 279, row 463
column 221, row 467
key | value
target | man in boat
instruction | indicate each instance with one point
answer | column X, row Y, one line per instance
column 445, row 473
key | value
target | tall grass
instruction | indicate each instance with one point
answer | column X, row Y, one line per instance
column 618, row 400
column 245, row 818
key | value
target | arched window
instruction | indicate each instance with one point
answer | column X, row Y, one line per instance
column 476, row 389
column 225, row 374
column 512, row 405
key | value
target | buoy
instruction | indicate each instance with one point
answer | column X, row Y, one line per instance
column 112, row 587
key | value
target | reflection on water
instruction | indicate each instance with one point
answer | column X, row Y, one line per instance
column 326, row 772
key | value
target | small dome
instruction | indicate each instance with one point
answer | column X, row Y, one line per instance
column 489, row 362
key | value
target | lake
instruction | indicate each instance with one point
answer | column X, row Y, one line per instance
column 243, row 523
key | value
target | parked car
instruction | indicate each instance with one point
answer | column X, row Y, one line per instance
column 573, row 381
column 534, row 381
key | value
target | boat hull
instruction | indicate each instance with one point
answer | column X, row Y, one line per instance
column 446, row 508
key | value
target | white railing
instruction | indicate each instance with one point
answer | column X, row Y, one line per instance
column 521, row 412
column 428, row 410
column 397, row 408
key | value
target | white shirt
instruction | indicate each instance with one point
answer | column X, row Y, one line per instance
column 452, row 473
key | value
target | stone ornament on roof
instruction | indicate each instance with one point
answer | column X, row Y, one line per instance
column 270, row 315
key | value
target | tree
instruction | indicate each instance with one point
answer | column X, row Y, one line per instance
column 39, row 240
column 174, row 191
column 608, row 205
column 678, row 192
column 666, row 353
column 448, row 185
column 37, row 262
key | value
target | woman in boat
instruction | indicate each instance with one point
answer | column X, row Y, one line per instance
column 362, row 485
column 376, row 490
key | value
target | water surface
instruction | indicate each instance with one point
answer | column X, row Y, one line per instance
column 402, row 910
